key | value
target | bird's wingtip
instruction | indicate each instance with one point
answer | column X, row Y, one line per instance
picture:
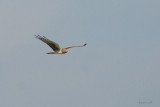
column 85, row 44
column 36, row 36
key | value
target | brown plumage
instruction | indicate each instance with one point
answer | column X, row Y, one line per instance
column 55, row 46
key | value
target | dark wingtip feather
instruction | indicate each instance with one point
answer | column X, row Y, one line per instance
column 40, row 37
column 37, row 36
column 85, row 44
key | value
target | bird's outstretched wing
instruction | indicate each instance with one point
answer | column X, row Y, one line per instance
column 55, row 46
column 76, row 46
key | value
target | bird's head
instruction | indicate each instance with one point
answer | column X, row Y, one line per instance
column 64, row 50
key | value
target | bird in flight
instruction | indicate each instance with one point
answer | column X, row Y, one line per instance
column 55, row 46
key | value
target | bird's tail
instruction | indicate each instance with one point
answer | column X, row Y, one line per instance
column 51, row 53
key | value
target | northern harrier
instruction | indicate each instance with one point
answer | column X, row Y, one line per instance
column 55, row 46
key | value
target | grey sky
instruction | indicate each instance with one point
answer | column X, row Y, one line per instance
column 118, row 68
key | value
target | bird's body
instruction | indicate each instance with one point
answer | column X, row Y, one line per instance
column 55, row 46
column 61, row 51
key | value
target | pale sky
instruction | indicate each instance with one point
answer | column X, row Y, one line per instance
column 118, row 68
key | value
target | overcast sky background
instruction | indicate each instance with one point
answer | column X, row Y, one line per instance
column 118, row 68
